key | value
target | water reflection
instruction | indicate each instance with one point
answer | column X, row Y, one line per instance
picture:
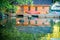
column 8, row 22
column 36, row 21
column 36, row 25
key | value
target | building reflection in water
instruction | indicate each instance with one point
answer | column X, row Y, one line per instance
column 25, row 21
column 36, row 25
column 33, row 25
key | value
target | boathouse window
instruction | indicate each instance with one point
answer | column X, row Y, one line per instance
column 35, row 16
column 43, row 7
column 21, row 16
column 29, row 8
column 35, row 8
column 22, row 8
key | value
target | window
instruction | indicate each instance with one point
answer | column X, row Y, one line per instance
column 20, row 16
column 22, row 8
column 29, row 8
column 43, row 7
column 35, row 16
column 35, row 8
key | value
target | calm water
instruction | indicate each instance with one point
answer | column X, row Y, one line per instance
column 32, row 29
column 46, row 27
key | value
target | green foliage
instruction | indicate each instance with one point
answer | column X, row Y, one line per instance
column 24, row 2
column 55, row 1
column 10, row 32
column 8, row 4
column 58, row 24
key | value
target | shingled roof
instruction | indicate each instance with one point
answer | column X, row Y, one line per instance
column 37, row 2
column 43, row 2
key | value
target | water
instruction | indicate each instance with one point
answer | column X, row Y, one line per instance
column 35, row 32
column 44, row 28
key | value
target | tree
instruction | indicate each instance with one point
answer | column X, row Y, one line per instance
column 24, row 2
column 55, row 1
column 10, row 4
column 5, row 5
column 8, row 31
